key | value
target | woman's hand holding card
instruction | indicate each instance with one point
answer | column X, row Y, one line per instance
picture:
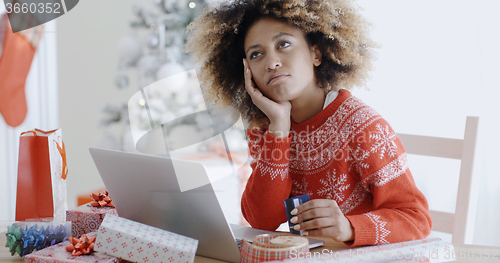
column 322, row 217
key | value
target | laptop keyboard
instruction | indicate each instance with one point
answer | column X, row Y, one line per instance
column 238, row 241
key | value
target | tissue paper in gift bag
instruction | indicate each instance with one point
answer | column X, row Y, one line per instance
column 138, row 242
column 41, row 176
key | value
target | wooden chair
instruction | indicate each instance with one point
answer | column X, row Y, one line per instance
column 463, row 150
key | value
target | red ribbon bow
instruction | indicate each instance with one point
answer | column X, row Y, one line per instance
column 82, row 246
column 102, row 199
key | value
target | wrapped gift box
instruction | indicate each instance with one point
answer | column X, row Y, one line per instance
column 59, row 254
column 138, row 242
column 423, row 250
column 87, row 218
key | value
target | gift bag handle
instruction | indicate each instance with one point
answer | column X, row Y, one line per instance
column 26, row 132
column 62, row 151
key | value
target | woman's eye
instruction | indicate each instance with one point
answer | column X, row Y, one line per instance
column 283, row 44
column 254, row 55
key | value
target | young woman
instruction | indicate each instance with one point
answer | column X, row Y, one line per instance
column 287, row 66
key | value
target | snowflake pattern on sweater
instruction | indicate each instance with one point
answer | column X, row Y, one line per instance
column 347, row 153
column 333, row 186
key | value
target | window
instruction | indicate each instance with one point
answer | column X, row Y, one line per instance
column 42, row 100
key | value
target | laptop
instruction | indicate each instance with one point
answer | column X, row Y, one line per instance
column 147, row 189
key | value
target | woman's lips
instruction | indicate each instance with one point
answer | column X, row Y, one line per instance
column 276, row 77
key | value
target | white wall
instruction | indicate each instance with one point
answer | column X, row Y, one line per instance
column 87, row 45
column 437, row 66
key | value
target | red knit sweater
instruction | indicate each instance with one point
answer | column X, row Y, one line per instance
column 347, row 153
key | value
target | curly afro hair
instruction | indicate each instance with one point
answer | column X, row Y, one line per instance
column 217, row 35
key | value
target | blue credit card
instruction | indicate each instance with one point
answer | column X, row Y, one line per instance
column 290, row 204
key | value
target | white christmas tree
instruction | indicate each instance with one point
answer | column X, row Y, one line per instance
column 154, row 50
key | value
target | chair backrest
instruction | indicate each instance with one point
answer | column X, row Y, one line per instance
column 461, row 149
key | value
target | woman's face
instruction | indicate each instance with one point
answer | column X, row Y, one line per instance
column 280, row 59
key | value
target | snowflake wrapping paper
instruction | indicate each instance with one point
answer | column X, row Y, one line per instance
column 58, row 254
column 133, row 241
column 86, row 218
column 422, row 250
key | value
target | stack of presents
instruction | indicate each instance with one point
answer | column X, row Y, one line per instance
column 94, row 232
column 46, row 231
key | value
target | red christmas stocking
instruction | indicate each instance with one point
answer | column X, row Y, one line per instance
column 17, row 53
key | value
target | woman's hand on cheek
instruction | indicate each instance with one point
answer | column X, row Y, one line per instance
column 323, row 218
column 278, row 113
